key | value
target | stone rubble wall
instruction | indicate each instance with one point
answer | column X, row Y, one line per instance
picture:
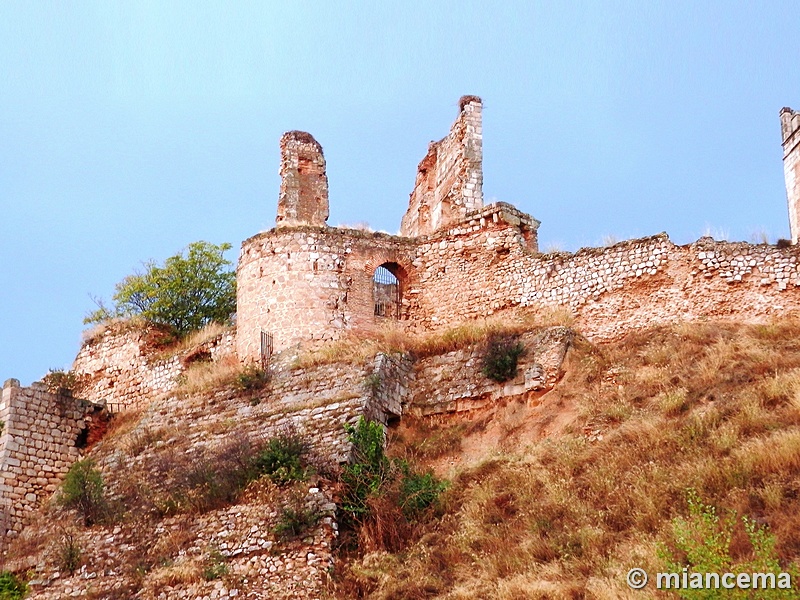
column 454, row 381
column 449, row 181
column 37, row 447
column 124, row 372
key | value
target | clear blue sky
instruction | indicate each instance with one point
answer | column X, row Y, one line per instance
column 130, row 129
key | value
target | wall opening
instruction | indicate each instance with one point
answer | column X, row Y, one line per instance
column 387, row 290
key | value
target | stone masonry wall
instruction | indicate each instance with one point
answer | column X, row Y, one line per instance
column 124, row 371
column 449, row 181
column 310, row 284
column 610, row 290
column 38, row 444
column 454, row 381
column 790, row 137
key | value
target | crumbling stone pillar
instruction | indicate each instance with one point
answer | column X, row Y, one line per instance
column 303, row 196
column 449, row 182
column 790, row 134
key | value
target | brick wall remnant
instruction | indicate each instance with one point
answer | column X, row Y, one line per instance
column 303, row 196
column 790, row 137
column 41, row 438
column 449, row 182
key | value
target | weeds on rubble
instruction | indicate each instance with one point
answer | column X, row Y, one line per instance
column 394, row 338
column 12, row 587
column 67, row 383
column 283, row 459
column 215, row 477
column 251, row 377
column 215, row 565
column 202, row 377
column 68, row 552
column 83, row 490
column 295, row 518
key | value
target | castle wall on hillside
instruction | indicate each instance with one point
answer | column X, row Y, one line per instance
column 449, row 182
column 41, row 438
column 124, row 371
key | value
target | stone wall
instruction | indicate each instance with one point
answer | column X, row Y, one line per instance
column 454, row 381
column 124, row 369
column 790, row 138
column 41, row 436
column 313, row 284
column 449, row 181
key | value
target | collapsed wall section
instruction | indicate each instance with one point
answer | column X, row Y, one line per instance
column 790, row 138
column 449, row 182
column 41, row 438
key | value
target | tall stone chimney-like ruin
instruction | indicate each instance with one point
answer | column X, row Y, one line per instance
column 790, row 134
column 303, row 196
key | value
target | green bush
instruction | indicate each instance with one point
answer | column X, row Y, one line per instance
column 83, row 490
column 294, row 521
column 371, row 475
column 368, row 468
column 11, row 587
column 282, row 459
column 500, row 360
column 419, row 491
column 251, row 377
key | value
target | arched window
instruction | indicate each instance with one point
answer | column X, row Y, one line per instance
column 386, row 291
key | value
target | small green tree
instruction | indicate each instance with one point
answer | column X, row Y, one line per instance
column 702, row 543
column 192, row 289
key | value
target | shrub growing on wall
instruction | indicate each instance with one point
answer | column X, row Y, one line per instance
column 500, row 360
column 191, row 290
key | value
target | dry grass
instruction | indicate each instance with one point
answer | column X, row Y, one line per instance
column 202, row 377
column 706, row 406
column 394, row 337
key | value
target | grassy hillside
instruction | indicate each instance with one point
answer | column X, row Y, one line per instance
column 649, row 452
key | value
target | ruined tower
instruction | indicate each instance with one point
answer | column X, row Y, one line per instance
column 303, row 198
column 449, row 180
column 790, row 134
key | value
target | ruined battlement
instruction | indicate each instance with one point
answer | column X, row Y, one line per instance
column 43, row 434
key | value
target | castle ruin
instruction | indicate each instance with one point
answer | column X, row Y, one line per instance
column 455, row 259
